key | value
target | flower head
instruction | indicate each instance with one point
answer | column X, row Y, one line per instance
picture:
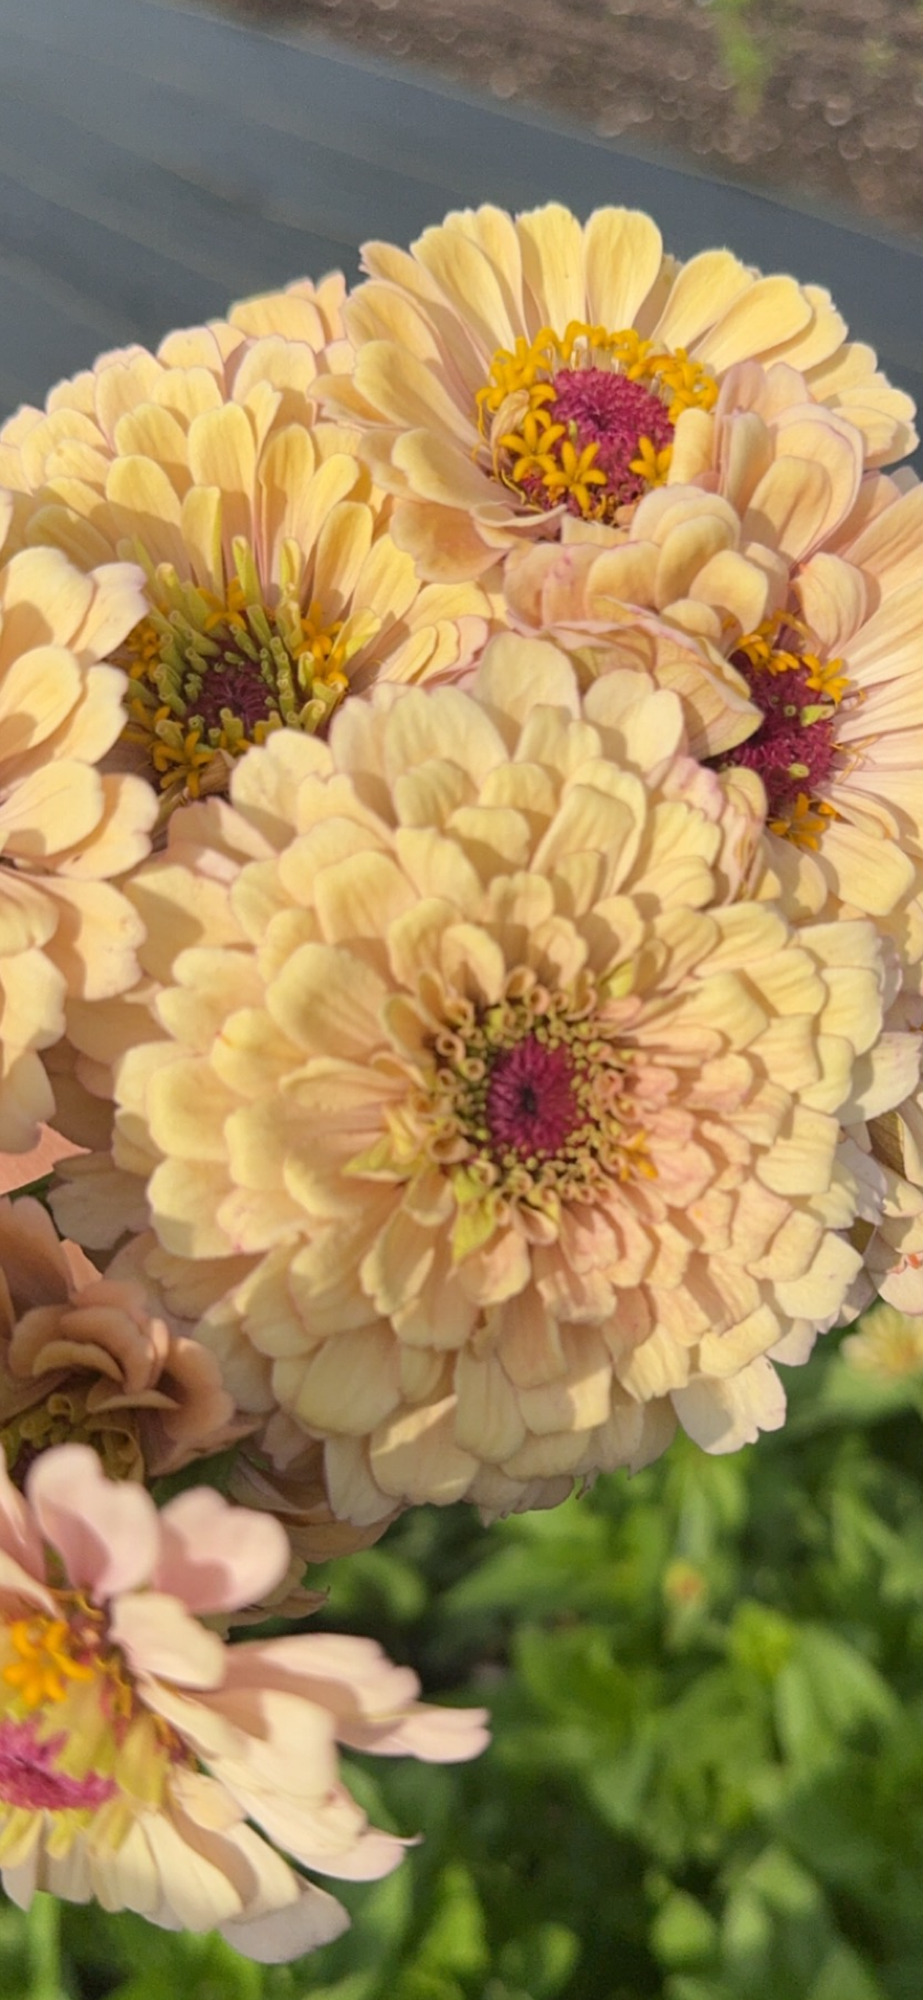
column 273, row 587
column 87, row 1357
column 147, row 1764
column 494, row 1076
column 511, row 373
column 65, row 828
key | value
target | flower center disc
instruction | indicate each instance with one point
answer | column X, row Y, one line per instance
column 211, row 677
column 531, row 1106
column 586, row 420
column 795, row 748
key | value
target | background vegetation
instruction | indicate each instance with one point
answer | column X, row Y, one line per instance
column 707, row 1772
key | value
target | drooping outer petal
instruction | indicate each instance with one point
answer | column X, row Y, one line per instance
column 140, row 1762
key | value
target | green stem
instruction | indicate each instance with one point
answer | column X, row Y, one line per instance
column 43, row 1943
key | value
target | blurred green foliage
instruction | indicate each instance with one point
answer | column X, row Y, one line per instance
column 707, row 1773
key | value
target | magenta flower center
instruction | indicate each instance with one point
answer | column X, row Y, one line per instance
column 598, row 407
column 795, row 748
column 532, row 1099
column 531, row 1105
column 30, row 1778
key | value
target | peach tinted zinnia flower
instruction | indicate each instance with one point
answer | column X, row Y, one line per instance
column 146, row 1764
column 273, row 585
column 833, row 659
column 65, row 828
column 526, row 1117
column 86, row 1357
column 510, row 371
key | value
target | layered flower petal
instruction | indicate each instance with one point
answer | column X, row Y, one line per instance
column 536, row 1133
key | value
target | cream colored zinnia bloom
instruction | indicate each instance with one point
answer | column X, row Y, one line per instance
column 65, row 828
column 87, row 1357
column 509, row 371
column 146, row 1764
column 526, row 1118
column 273, row 585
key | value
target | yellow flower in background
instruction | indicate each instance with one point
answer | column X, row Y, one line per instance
column 514, row 1124
column 889, row 1344
column 146, row 1764
column 509, row 372
column 273, row 586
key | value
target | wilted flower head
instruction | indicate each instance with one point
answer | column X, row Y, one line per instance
column 87, row 1357
column 512, row 371
column 64, row 828
column 145, row 1763
column 272, row 584
column 525, row 1118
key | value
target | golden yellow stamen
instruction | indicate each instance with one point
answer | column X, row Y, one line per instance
column 45, row 1664
column 653, row 465
column 573, row 474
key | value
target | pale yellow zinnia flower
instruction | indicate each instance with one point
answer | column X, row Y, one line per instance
column 273, row 585
column 65, row 828
column 810, row 598
column 513, row 1121
column 510, row 371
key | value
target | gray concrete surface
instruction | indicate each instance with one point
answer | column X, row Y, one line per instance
column 155, row 163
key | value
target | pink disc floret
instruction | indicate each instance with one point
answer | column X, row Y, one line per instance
column 532, row 1106
column 794, row 749
column 29, row 1777
column 599, row 406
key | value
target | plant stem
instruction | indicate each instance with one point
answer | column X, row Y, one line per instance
column 43, row 1941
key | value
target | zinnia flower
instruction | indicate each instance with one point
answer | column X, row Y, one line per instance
column 146, row 1764
column 273, row 585
column 811, row 610
column 86, row 1357
column 64, row 828
column 525, row 1116
column 511, row 371
column 888, row 1344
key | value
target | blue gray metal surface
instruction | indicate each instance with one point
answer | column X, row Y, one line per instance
column 156, row 163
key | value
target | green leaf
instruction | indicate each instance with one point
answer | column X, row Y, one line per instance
column 456, row 1938
column 829, row 1692
column 683, row 1934
column 541, row 1961
column 845, row 1977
